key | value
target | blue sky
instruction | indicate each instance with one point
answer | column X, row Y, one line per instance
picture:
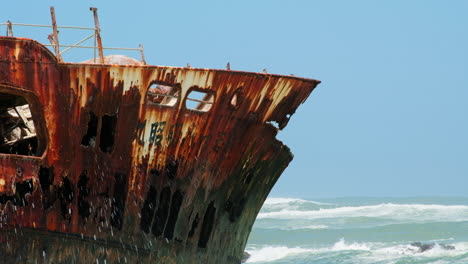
column 390, row 117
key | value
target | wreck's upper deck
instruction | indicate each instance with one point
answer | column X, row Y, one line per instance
column 64, row 97
column 133, row 103
column 23, row 62
column 58, row 48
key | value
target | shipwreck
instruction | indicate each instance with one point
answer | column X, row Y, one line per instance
column 112, row 160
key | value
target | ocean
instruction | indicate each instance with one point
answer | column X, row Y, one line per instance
column 361, row 230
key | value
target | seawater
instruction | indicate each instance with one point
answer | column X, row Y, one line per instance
column 360, row 230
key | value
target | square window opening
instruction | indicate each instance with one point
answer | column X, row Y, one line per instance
column 163, row 95
column 199, row 101
column 17, row 127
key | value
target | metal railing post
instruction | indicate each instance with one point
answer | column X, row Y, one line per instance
column 142, row 53
column 9, row 29
column 98, row 33
column 53, row 38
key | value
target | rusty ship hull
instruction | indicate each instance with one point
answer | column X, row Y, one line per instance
column 116, row 175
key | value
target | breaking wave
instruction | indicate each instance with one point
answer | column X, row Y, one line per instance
column 272, row 253
column 279, row 200
column 277, row 204
column 364, row 252
column 313, row 227
column 418, row 212
column 377, row 230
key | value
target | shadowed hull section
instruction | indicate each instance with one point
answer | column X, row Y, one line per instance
column 234, row 207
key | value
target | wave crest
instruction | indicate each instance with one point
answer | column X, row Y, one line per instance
column 374, row 252
column 272, row 253
column 341, row 245
column 280, row 200
column 418, row 212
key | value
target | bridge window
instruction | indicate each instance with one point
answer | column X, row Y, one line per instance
column 163, row 95
column 199, row 101
column 17, row 127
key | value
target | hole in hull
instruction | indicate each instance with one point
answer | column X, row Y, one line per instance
column 177, row 199
column 19, row 198
column 83, row 192
column 147, row 211
column 106, row 142
column 118, row 203
column 46, row 179
column 207, row 226
column 66, row 195
column 90, row 138
column 194, row 226
column 162, row 212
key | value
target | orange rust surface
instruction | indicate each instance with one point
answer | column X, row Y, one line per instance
column 207, row 149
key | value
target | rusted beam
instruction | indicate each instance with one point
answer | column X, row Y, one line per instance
column 142, row 53
column 54, row 40
column 98, row 34
column 20, row 113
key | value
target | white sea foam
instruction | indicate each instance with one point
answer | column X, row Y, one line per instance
column 367, row 252
column 417, row 212
column 279, row 203
column 298, row 227
column 342, row 246
column 272, row 253
column 280, row 200
column 400, row 251
column 310, row 227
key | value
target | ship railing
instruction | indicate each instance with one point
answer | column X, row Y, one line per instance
column 54, row 39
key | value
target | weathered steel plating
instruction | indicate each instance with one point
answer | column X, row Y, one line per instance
column 122, row 179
